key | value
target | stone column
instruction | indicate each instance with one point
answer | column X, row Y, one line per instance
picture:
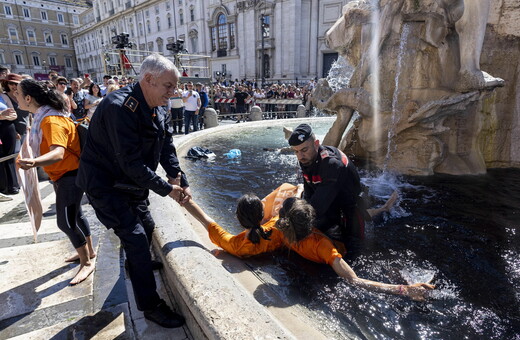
column 301, row 112
column 210, row 118
column 256, row 114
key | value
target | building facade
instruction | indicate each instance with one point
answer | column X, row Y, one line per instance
column 36, row 36
column 283, row 40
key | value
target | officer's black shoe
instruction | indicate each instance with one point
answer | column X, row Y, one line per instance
column 164, row 316
column 156, row 265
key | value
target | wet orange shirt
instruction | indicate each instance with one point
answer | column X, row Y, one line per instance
column 60, row 131
column 316, row 247
column 240, row 245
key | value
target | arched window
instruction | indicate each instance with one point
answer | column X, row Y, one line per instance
column 181, row 17
column 169, row 19
column 158, row 24
column 140, row 29
column 222, row 33
column 148, row 26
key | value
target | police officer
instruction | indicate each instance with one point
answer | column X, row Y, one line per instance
column 331, row 185
column 127, row 139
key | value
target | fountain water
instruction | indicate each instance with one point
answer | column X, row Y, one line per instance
column 375, row 22
column 458, row 230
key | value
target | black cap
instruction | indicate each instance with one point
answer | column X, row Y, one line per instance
column 300, row 134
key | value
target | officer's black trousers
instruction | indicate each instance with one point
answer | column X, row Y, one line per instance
column 133, row 224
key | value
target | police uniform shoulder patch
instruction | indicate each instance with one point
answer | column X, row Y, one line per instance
column 131, row 103
column 344, row 158
column 324, row 154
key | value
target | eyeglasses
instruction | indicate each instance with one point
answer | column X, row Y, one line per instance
column 62, row 83
column 11, row 83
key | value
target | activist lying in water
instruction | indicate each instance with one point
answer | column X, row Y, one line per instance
column 290, row 224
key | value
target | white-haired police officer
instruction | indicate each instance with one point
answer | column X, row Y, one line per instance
column 331, row 185
column 128, row 137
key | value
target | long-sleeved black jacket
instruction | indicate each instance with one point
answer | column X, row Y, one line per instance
column 126, row 142
column 332, row 186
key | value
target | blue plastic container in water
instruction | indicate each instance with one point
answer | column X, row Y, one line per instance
column 233, row 153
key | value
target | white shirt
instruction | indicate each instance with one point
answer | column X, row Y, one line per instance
column 192, row 103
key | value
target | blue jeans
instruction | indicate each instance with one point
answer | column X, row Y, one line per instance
column 190, row 118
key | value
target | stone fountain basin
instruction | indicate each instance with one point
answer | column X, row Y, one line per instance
column 215, row 291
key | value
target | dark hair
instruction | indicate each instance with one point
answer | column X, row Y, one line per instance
column 250, row 212
column 297, row 218
column 91, row 92
column 43, row 95
column 60, row 78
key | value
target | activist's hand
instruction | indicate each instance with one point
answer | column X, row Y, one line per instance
column 186, row 195
column 26, row 163
column 418, row 291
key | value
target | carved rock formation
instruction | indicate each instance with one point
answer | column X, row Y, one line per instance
column 438, row 112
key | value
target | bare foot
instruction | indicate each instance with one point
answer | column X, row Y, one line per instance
column 386, row 207
column 75, row 258
column 391, row 201
column 83, row 273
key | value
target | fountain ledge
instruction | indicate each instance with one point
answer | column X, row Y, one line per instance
column 218, row 302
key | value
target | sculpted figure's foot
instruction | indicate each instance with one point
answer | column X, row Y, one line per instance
column 75, row 258
column 322, row 92
column 469, row 81
column 83, row 273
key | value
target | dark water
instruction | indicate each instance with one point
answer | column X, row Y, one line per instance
column 462, row 232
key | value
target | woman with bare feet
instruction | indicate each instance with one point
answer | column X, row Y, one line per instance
column 56, row 147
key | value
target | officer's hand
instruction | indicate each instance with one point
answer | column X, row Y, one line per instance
column 186, row 195
column 176, row 180
column 176, row 193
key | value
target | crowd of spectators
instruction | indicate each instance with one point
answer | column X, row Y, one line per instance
column 256, row 94
column 81, row 95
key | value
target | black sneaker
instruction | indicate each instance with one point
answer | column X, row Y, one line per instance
column 164, row 316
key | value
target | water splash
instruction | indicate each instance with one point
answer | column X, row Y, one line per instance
column 339, row 74
column 395, row 116
column 375, row 70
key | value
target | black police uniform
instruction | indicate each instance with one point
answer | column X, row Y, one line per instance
column 126, row 141
column 332, row 186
